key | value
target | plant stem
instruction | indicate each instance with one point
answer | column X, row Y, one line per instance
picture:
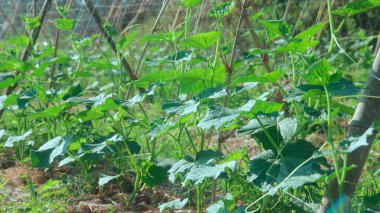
column 294, row 76
column 268, row 135
column 329, row 135
column 199, row 198
column 331, row 21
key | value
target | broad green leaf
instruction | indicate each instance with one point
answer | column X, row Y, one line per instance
column 155, row 77
column 224, row 205
column 16, row 65
column 50, row 112
column 9, row 82
column 259, row 106
column 356, row 7
column 196, row 171
column 271, row 172
column 135, row 100
column 174, row 204
column 163, row 37
column 189, row 3
column 181, row 109
column 351, row 144
column 71, row 91
column 20, row 40
column 104, row 179
column 311, row 31
column 207, row 156
column 199, row 173
column 341, row 88
column 212, row 92
column 321, row 73
column 201, row 40
column 256, row 131
column 199, row 79
column 160, row 127
column 294, row 46
column 217, row 117
column 64, row 24
column 100, row 64
column 276, row 28
column 32, row 22
column 14, row 139
column 222, row 9
column 178, row 57
column 126, row 40
column 90, row 115
column 45, row 155
column 272, row 77
column 155, row 175
column 288, row 127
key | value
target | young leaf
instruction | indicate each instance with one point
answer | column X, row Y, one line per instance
column 20, row 40
column 163, row 37
column 222, row 10
column 321, row 73
column 64, row 24
column 276, row 28
column 189, row 3
column 356, row 7
column 201, row 41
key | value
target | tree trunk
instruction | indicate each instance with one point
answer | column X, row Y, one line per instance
column 366, row 113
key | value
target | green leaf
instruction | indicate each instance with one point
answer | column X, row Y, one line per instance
column 155, row 77
column 272, row 77
column 321, row 73
column 9, row 82
column 195, row 172
column 160, row 127
column 90, row 115
column 32, row 22
column 174, row 204
column 276, row 28
column 217, row 116
column 351, row 144
column 222, row 9
column 126, row 40
column 163, row 37
column 189, row 3
column 104, row 179
column 201, row 40
column 181, row 109
column 224, row 205
column 100, row 64
column 50, row 112
column 356, row 7
column 178, row 57
column 342, row 88
column 292, row 169
column 212, row 92
column 45, row 155
column 64, row 24
column 288, row 127
column 14, row 139
column 20, row 40
column 135, row 100
column 155, row 175
column 311, row 31
column 259, row 106
column 254, row 129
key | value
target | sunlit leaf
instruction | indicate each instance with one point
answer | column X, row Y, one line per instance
column 201, row 40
